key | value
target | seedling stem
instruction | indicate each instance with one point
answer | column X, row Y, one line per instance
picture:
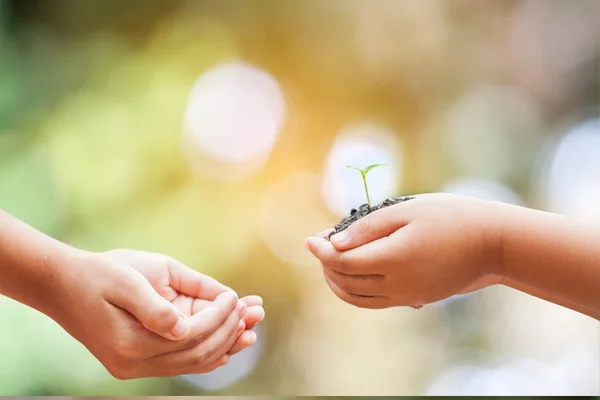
column 363, row 174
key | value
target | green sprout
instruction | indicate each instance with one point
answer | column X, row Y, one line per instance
column 363, row 174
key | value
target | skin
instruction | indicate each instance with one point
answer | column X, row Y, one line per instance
column 439, row 245
column 140, row 314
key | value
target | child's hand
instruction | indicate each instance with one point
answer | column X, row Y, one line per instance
column 413, row 253
column 144, row 314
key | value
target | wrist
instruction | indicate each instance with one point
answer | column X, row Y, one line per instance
column 56, row 284
column 33, row 265
column 493, row 265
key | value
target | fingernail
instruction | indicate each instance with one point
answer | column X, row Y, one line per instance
column 253, row 336
column 181, row 328
column 241, row 327
column 340, row 238
column 229, row 296
column 307, row 243
column 310, row 241
column 233, row 294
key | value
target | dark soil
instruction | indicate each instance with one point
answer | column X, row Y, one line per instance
column 365, row 210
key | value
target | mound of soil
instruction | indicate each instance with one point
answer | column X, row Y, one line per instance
column 363, row 211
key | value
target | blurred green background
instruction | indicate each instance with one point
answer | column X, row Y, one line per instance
column 217, row 132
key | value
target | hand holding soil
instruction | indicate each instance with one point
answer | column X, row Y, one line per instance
column 411, row 253
column 438, row 245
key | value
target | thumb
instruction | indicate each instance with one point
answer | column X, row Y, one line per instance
column 375, row 225
column 156, row 313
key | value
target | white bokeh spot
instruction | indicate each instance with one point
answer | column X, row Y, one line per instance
column 571, row 182
column 235, row 112
column 361, row 145
column 483, row 189
column 239, row 367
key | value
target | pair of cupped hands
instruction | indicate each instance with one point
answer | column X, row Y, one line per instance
column 148, row 315
column 157, row 317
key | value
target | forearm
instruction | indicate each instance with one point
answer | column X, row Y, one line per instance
column 29, row 263
column 552, row 257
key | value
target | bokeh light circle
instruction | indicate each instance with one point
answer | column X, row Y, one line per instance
column 570, row 182
column 235, row 114
column 521, row 377
column 239, row 367
column 361, row 145
column 483, row 189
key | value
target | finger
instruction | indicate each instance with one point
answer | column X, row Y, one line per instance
column 247, row 339
column 202, row 356
column 208, row 354
column 351, row 262
column 209, row 368
column 219, row 363
column 364, row 285
column 252, row 300
column 136, row 295
column 205, row 322
column 325, row 233
column 185, row 304
column 192, row 283
column 378, row 224
column 376, row 302
column 200, row 304
column 223, row 361
column 202, row 325
column 233, row 336
column 254, row 316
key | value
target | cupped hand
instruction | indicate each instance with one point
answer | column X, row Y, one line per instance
column 144, row 314
column 413, row 253
column 188, row 290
